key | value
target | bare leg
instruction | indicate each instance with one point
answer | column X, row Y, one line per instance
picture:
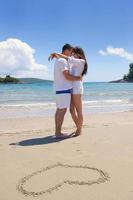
column 77, row 100
column 59, row 117
column 73, row 112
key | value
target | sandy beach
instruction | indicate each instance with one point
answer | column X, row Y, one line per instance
column 96, row 165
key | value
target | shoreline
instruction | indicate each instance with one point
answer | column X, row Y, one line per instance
column 48, row 109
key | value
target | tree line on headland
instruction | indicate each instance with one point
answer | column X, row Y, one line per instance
column 9, row 79
column 127, row 78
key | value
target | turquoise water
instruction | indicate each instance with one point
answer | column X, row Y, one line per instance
column 38, row 98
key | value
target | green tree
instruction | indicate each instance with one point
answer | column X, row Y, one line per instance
column 1, row 80
column 130, row 74
column 9, row 79
column 125, row 77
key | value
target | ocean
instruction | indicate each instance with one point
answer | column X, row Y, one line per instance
column 38, row 99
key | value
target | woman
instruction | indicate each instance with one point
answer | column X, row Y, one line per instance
column 78, row 67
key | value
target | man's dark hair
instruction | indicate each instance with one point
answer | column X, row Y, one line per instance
column 67, row 46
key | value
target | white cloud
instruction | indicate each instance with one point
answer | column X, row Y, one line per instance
column 17, row 58
column 121, row 52
column 102, row 53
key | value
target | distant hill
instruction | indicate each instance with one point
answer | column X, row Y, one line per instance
column 33, row 80
column 127, row 78
column 9, row 79
column 120, row 81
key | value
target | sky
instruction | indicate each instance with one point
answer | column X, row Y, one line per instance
column 31, row 29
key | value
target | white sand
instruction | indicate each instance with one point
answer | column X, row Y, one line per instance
column 97, row 165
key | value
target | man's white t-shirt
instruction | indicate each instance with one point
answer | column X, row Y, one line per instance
column 60, row 82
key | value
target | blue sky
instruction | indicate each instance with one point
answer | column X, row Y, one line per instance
column 92, row 24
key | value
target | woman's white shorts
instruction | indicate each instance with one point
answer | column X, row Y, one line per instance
column 77, row 90
column 77, row 87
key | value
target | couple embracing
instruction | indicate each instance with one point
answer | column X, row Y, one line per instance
column 69, row 68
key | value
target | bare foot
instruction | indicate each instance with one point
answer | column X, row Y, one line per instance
column 61, row 135
column 78, row 132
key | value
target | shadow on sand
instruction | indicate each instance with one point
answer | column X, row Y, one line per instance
column 39, row 141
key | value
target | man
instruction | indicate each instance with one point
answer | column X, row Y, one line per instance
column 63, row 88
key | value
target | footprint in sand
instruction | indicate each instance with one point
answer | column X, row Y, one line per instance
column 53, row 177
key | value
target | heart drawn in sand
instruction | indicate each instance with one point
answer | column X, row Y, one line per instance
column 101, row 178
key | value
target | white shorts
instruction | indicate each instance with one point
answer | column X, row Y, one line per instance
column 63, row 100
column 77, row 90
column 77, row 87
